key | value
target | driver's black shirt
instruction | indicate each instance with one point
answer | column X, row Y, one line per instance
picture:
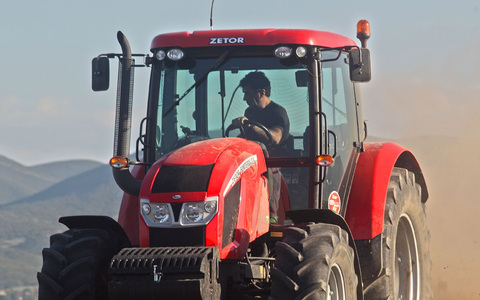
column 273, row 115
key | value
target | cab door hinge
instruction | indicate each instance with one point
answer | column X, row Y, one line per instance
column 359, row 146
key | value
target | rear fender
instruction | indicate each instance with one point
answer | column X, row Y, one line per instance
column 366, row 202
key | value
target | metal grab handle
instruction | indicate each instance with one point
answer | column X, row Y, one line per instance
column 334, row 143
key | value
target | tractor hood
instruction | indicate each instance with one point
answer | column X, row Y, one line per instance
column 189, row 168
column 200, row 153
column 215, row 191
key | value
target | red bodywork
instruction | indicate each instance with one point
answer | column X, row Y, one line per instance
column 366, row 205
column 251, row 37
column 227, row 156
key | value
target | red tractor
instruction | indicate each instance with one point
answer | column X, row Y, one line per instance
column 317, row 215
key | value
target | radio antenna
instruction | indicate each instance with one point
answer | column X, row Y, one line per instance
column 211, row 16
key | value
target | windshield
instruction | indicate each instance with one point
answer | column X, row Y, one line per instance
column 208, row 109
column 199, row 98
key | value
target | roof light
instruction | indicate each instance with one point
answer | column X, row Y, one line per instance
column 301, row 51
column 363, row 32
column 324, row 160
column 283, row 52
column 175, row 54
column 118, row 162
column 160, row 55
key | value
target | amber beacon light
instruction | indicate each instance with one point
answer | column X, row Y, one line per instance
column 363, row 32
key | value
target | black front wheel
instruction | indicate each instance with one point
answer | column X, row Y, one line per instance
column 76, row 264
column 314, row 261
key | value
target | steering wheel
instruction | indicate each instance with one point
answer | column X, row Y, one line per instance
column 254, row 123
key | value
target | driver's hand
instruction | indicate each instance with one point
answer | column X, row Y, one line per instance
column 238, row 122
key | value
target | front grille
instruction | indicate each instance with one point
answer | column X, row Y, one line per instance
column 177, row 237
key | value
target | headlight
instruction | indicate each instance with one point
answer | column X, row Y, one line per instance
column 160, row 55
column 283, row 52
column 196, row 213
column 193, row 212
column 175, row 54
column 301, row 51
column 146, row 209
column 161, row 213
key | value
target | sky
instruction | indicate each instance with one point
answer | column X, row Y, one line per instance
column 48, row 111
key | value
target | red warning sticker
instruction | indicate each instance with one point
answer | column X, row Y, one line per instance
column 334, row 202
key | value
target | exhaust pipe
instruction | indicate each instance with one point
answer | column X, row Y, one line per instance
column 123, row 119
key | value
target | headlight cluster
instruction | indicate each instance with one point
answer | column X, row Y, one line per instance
column 191, row 214
column 173, row 54
column 284, row 51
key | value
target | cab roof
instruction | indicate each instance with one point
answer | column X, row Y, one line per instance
column 251, row 37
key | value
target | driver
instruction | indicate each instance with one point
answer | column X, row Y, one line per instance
column 273, row 117
column 261, row 109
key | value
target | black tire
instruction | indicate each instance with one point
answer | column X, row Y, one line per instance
column 405, row 244
column 312, row 262
column 76, row 264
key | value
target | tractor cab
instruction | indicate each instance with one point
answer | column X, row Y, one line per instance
column 312, row 83
column 195, row 93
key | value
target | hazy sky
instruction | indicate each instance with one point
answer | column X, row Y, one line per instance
column 420, row 49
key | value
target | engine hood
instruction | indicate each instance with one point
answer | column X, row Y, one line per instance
column 201, row 153
column 201, row 167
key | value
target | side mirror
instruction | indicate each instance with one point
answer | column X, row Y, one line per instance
column 360, row 67
column 100, row 74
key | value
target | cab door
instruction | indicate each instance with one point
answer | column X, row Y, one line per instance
column 339, row 108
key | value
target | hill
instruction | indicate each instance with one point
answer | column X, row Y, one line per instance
column 17, row 181
column 27, row 222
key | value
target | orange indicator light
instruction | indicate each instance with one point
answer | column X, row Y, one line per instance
column 118, row 162
column 324, row 160
column 276, row 234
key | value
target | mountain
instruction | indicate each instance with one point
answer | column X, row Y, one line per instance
column 17, row 181
column 36, row 197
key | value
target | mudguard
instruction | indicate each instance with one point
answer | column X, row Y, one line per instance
column 98, row 222
column 366, row 202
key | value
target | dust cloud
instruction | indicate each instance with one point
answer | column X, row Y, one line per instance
column 439, row 121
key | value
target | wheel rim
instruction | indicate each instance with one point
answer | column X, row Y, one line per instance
column 407, row 266
column 336, row 284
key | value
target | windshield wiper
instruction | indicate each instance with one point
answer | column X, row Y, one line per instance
column 198, row 82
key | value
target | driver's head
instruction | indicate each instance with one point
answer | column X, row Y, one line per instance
column 256, row 81
column 255, row 85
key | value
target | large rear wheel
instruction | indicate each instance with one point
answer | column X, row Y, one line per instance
column 405, row 244
column 314, row 261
